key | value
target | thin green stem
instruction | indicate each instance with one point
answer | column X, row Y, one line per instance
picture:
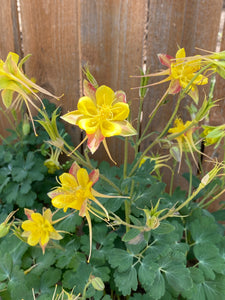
column 158, row 138
column 136, row 148
column 172, row 178
column 151, row 118
column 213, row 199
column 127, row 213
column 190, row 173
column 125, row 158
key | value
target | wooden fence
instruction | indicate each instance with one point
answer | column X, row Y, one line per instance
column 115, row 37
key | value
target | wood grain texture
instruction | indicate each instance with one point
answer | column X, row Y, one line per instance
column 9, row 41
column 51, row 32
column 112, row 44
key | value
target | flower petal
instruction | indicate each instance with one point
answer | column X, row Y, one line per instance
column 165, row 59
column 82, row 177
column 89, row 90
column 94, row 176
column 94, row 140
column 68, row 180
column 104, row 95
column 120, row 111
column 126, row 128
column 120, row 96
column 67, row 201
column 33, row 238
column 89, row 124
column 86, row 106
column 73, row 169
column 174, row 87
column 48, row 215
column 72, row 117
column 180, row 54
column 110, row 128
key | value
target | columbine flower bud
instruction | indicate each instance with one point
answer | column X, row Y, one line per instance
column 152, row 220
column 4, row 229
column 26, row 125
column 97, row 283
column 5, row 226
column 209, row 176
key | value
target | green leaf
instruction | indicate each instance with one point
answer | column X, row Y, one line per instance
column 78, row 279
column 26, row 200
column 6, row 265
column 70, row 223
column 209, row 290
column 25, row 187
column 10, row 192
column 126, row 281
column 198, row 225
column 164, row 228
column 70, row 257
column 19, row 174
column 178, row 277
column 15, row 247
column 131, row 234
column 121, row 259
column 157, row 289
column 209, row 258
column 147, row 272
column 43, row 261
column 102, row 272
column 50, row 277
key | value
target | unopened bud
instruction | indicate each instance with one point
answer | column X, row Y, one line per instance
column 97, row 283
column 4, row 229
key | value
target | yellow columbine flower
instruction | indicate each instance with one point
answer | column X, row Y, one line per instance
column 14, row 81
column 38, row 228
column 180, row 72
column 183, row 135
column 76, row 192
column 101, row 113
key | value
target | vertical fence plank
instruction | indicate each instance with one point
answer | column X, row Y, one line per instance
column 9, row 41
column 51, row 34
column 112, row 44
column 188, row 24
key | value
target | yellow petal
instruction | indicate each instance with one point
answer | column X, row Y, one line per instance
column 37, row 218
column 28, row 225
column 68, row 180
column 89, row 124
column 82, row 177
column 120, row 111
column 104, row 95
column 180, row 54
column 44, row 238
column 67, row 201
column 86, row 107
column 55, row 235
column 48, row 215
column 110, row 128
column 33, row 239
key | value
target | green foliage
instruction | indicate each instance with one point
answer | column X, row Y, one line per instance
column 148, row 241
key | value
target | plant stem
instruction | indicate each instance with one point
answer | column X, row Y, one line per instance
column 190, row 174
column 158, row 138
column 136, row 148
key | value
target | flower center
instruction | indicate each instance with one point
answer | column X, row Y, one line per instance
column 105, row 112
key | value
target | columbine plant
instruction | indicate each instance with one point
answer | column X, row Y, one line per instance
column 118, row 224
